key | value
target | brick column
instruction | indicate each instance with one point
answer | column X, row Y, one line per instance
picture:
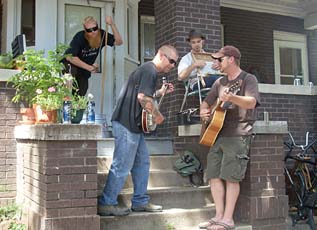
column 173, row 20
column 263, row 201
column 57, row 175
column 9, row 114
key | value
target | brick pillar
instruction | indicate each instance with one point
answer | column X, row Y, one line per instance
column 9, row 114
column 173, row 20
column 57, row 175
column 263, row 201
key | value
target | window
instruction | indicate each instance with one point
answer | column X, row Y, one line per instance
column 28, row 21
column 147, row 38
column 290, row 58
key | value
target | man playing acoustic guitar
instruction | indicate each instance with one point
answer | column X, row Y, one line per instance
column 228, row 157
column 130, row 152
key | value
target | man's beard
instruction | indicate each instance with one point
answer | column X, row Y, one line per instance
column 94, row 42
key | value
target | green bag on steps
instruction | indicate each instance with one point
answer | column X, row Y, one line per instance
column 189, row 165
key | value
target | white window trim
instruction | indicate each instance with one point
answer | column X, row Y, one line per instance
column 144, row 20
column 130, row 37
column 290, row 40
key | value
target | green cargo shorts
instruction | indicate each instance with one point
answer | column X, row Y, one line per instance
column 228, row 158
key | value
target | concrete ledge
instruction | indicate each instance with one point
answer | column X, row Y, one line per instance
column 5, row 74
column 58, row 132
column 288, row 89
column 277, row 127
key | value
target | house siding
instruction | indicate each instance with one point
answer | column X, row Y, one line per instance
column 0, row 24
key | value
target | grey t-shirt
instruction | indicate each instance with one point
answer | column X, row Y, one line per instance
column 238, row 121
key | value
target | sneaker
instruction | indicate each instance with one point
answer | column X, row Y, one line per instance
column 148, row 208
column 113, row 210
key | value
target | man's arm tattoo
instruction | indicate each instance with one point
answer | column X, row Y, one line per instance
column 148, row 104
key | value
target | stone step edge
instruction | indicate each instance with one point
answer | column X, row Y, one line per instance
column 99, row 171
column 209, row 207
column 175, row 211
column 169, row 189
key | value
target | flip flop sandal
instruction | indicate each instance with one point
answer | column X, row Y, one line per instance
column 205, row 225
column 224, row 225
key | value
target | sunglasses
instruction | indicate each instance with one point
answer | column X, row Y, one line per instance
column 170, row 60
column 89, row 30
column 219, row 59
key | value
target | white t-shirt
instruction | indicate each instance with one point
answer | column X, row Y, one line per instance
column 186, row 61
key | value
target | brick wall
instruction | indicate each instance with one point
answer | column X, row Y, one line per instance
column 9, row 113
column 146, row 7
column 262, row 201
column 57, row 176
column 298, row 110
column 252, row 33
column 174, row 19
column 257, row 52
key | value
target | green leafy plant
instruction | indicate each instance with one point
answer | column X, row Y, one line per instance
column 6, row 61
column 170, row 226
column 41, row 81
column 11, row 216
column 78, row 103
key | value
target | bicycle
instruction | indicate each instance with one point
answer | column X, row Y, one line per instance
column 304, row 179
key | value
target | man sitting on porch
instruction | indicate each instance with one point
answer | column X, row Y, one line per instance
column 189, row 66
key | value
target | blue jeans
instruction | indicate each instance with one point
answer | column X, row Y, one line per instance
column 130, row 155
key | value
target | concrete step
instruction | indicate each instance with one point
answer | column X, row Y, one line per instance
column 174, row 197
column 157, row 162
column 301, row 225
column 169, row 219
column 156, row 146
column 157, row 178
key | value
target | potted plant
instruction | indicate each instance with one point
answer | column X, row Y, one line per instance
column 41, row 82
column 79, row 105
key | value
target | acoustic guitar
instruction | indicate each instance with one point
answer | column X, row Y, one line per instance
column 148, row 123
column 211, row 129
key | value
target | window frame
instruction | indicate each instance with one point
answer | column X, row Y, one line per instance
column 290, row 40
column 145, row 19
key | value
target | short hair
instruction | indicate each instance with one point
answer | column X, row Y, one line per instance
column 168, row 49
column 89, row 19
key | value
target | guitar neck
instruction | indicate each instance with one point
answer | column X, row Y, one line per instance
column 161, row 99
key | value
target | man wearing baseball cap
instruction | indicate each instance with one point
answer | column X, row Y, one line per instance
column 228, row 157
column 188, row 66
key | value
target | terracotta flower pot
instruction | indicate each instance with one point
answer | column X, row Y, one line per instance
column 44, row 116
column 28, row 116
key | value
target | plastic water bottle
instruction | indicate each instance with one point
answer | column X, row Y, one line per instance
column 67, row 108
column 91, row 110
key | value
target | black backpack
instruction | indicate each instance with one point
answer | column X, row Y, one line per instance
column 189, row 165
